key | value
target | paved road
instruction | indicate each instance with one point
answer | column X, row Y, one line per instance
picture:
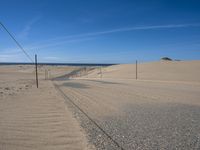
column 138, row 114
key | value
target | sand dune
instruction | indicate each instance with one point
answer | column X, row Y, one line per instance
column 161, row 70
column 161, row 110
column 138, row 114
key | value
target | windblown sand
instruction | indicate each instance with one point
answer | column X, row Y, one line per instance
column 160, row 110
column 188, row 71
column 32, row 118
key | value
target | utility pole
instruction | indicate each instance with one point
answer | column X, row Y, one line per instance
column 136, row 76
column 36, row 72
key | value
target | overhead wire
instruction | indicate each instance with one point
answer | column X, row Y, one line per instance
column 18, row 44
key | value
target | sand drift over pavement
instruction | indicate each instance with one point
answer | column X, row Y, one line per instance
column 160, row 110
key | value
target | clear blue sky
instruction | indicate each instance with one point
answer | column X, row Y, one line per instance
column 100, row 31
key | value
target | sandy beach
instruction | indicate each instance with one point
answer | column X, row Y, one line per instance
column 101, row 109
column 32, row 118
column 99, row 75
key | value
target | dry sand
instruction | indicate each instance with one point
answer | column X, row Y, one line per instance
column 161, row 110
column 139, row 114
column 32, row 118
column 188, row 71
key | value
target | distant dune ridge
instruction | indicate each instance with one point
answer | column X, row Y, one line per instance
column 161, row 70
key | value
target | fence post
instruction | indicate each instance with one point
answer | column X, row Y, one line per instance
column 136, row 73
column 36, row 72
column 45, row 74
column 101, row 72
column 49, row 74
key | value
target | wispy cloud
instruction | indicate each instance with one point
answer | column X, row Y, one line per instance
column 57, row 43
column 15, row 54
column 126, row 29
column 8, row 51
column 141, row 28
column 25, row 32
column 10, row 57
column 89, row 36
column 51, row 58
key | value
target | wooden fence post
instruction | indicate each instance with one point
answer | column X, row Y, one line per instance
column 136, row 72
column 36, row 72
